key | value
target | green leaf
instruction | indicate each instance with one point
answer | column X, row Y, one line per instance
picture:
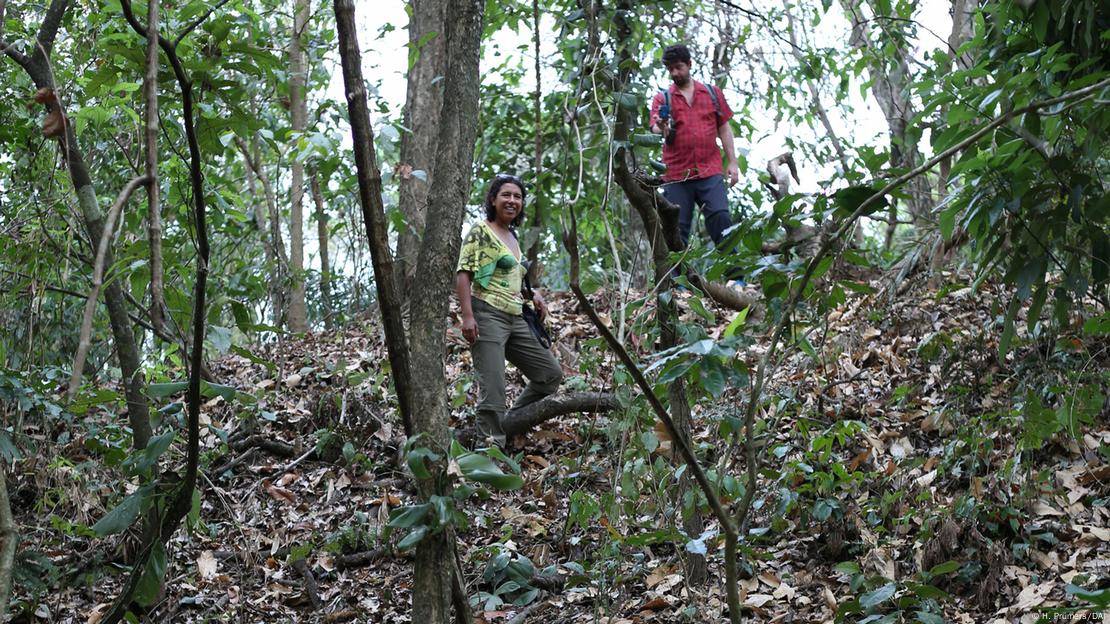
column 848, row 200
column 124, row 514
column 847, row 567
column 944, row 568
column 145, row 459
column 416, row 458
column 924, row 617
column 149, row 589
column 162, row 390
column 737, row 322
column 413, row 538
column 407, row 517
column 480, row 468
column 712, row 376
column 877, row 597
column 1096, row 597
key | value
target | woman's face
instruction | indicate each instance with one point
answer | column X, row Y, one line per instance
column 508, row 203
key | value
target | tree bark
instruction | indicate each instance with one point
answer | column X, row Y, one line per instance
column 420, row 388
column 298, row 314
column 322, row 242
column 280, row 266
column 38, row 69
column 423, row 101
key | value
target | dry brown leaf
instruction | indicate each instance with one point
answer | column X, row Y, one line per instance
column 278, row 493
column 655, row 604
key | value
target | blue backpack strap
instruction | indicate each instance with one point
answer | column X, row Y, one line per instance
column 666, row 97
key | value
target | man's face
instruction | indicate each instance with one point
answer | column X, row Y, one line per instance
column 680, row 72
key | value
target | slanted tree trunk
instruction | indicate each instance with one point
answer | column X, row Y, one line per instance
column 322, row 241
column 663, row 234
column 298, row 314
column 37, row 66
column 419, row 144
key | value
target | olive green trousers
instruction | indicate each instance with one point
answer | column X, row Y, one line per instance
column 500, row 336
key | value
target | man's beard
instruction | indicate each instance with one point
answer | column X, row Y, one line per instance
column 682, row 82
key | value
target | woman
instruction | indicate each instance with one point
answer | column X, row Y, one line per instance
column 488, row 284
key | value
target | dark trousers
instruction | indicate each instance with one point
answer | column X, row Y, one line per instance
column 709, row 194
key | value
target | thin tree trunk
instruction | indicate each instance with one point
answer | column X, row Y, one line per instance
column 298, row 314
column 423, row 101
column 322, row 242
column 38, row 69
column 536, row 234
column 276, row 244
column 963, row 29
column 261, row 221
column 9, row 538
column 890, row 88
column 154, row 208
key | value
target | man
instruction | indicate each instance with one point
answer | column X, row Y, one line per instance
column 696, row 120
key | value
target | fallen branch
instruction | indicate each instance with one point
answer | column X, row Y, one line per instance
column 309, row 583
column 521, row 420
column 724, row 295
column 362, row 559
column 273, row 447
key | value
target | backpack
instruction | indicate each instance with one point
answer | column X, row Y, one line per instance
column 712, row 96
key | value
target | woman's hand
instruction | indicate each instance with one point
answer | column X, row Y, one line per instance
column 541, row 306
column 470, row 329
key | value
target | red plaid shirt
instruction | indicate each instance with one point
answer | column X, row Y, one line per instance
column 694, row 153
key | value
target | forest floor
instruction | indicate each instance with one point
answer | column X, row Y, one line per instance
column 902, row 479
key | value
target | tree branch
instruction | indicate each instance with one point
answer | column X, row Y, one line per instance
column 84, row 343
column 200, row 20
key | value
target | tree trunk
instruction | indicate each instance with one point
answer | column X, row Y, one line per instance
column 963, row 29
column 298, row 315
column 38, row 69
column 9, row 540
column 890, row 88
column 280, row 266
column 419, row 144
column 322, row 241
column 439, row 252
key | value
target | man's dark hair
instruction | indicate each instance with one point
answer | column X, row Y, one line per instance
column 500, row 180
column 677, row 53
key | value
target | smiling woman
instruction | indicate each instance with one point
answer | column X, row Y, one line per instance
column 488, row 283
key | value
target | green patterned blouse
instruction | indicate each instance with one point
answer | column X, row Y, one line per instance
column 496, row 273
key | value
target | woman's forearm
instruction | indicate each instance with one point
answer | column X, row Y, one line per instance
column 462, row 290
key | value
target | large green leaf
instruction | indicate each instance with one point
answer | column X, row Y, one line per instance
column 480, row 468
column 124, row 514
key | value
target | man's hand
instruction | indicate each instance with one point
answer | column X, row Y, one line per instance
column 470, row 329
column 733, row 173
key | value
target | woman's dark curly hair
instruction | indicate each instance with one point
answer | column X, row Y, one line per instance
column 495, row 187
